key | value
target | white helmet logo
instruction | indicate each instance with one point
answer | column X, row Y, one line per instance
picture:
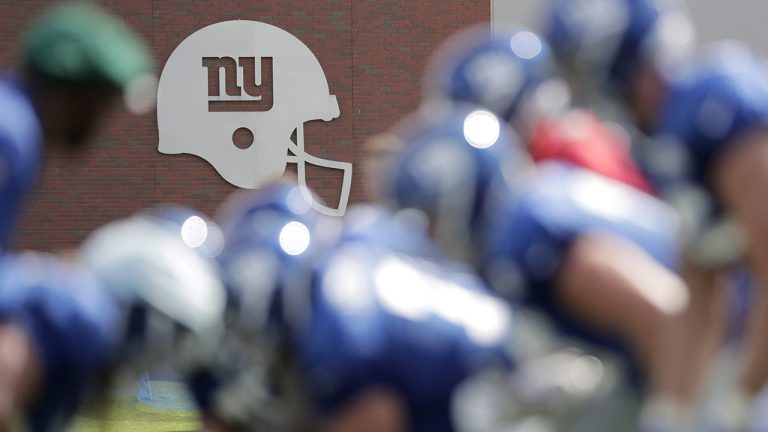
column 235, row 93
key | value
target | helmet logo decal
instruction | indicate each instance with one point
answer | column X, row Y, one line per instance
column 235, row 93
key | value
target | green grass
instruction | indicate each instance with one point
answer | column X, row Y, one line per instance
column 128, row 415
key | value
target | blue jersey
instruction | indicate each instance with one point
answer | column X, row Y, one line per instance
column 399, row 231
column 384, row 319
column 529, row 233
column 20, row 152
column 710, row 105
column 71, row 322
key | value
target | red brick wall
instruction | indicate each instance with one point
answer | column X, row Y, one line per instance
column 372, row 51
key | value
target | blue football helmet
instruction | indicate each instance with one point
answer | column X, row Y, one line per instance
column 272, row 237
column 511, row 74
column 450, row 165
column 609, row 41
column 73, row 324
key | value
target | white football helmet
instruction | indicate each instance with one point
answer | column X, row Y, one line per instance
column 253, row 80
column 171, row 293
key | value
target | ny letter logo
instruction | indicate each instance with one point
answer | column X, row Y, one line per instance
column 259, row 92
column 251, row 77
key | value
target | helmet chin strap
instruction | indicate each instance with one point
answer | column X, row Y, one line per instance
column 301, row 159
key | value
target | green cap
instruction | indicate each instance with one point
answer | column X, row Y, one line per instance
column 78, row 41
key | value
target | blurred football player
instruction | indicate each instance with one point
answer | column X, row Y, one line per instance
column 707, row 116
column 59, row 333
column 513, row 75
column 162, row 386
column 596, row 255
column 159, row 266
column 245, row 387
column 622, row 52
column 66, row 331
column 715, row 116
column 346, row 324
column 76, row 60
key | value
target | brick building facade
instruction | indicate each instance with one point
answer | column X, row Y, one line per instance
column 372, row 51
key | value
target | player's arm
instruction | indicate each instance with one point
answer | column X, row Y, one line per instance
column 615, row 286
column 20, row 374
column 740, row 177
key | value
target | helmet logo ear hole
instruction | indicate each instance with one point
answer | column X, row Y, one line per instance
column 242, row 138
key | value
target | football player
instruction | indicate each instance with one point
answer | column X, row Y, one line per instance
column 597, row 256
column 142, row 294
column 376, row 335
column 161, row 386
column 513, row 74
column 706, row 116
column 714, row 115
column 76, row 60
column 159, row 266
